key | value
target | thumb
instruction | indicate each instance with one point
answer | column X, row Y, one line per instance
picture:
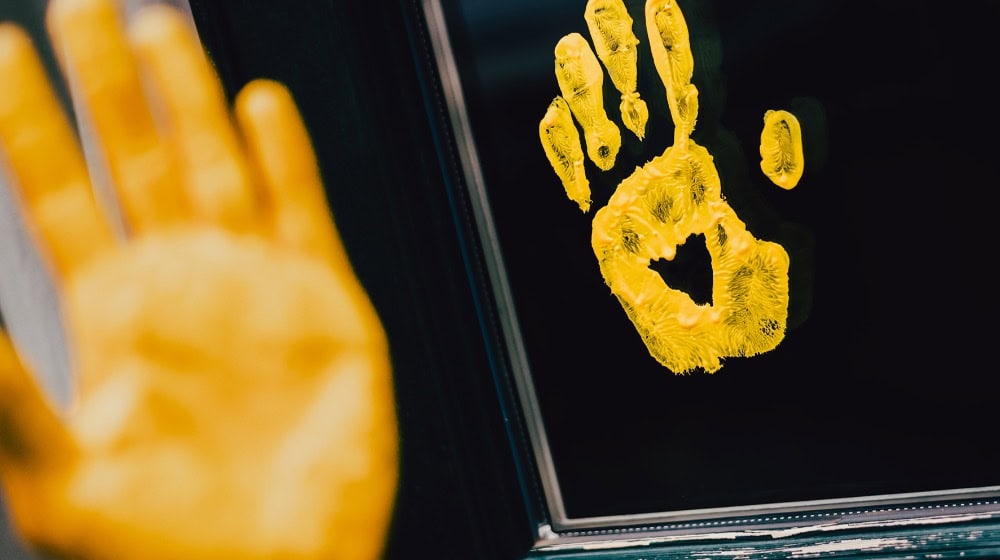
column 33, row 440
column 34, row 445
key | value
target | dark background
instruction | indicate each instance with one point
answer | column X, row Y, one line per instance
column 883, row 383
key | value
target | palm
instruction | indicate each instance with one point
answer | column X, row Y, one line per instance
column 234, row 395
column 170, row 392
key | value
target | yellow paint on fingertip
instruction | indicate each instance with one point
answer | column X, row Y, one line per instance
column 781, row 157
column 61, row 14
column 156, row 22
column 261, row 96
column 15, row 57
column 562, row 147
column 12, row 38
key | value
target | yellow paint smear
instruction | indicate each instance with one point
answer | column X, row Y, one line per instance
column 781, row 156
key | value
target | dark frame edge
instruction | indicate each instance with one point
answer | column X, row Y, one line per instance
column 456, row 184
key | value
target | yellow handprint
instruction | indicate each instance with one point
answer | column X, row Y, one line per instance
column 670, row 199
column 234, row 395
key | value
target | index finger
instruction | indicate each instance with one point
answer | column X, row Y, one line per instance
column 44, row 161
column 33, row 441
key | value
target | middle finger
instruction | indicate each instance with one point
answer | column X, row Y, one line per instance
column 196, row 118
column 104, row 77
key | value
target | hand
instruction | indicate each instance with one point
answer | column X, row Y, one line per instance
column 675, row 197
column 234, row 394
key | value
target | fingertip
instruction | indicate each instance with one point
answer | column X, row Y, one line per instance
column 12, row 38
column 14, row 44
column 64, row 15
column 156, row 24
column 570, row 44
column 266, row 111
column 262, row 99
column 21, row 77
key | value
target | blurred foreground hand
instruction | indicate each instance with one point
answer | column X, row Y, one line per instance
column 233, row 395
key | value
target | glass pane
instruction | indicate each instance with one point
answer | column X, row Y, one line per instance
column 875, row 385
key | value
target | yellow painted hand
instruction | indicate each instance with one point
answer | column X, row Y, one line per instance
column 672, row 198
column 234, row 394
